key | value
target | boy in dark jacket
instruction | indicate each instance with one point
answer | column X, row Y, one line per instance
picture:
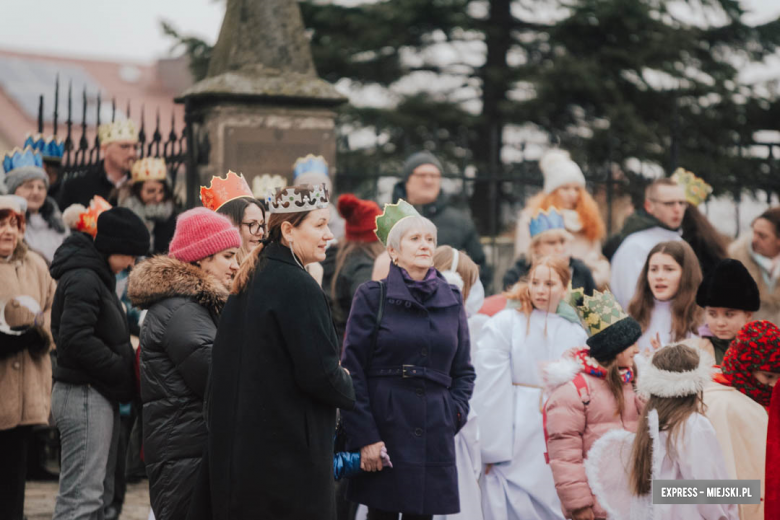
column 94, row 372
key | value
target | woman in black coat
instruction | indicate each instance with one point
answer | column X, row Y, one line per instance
column 276, row 380
column 184, row 294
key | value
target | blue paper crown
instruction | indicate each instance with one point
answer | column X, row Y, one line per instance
column 545, row 220
column 49, row 147
column 17, row 158
column 310, row 164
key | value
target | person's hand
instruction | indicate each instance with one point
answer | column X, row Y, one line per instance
column 371, row 457
column 583, row 513
column 655, row 342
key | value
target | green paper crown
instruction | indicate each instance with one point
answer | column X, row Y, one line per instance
column 392, row 215
column 597, row 312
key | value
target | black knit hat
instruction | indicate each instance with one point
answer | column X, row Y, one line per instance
column 729, row 285
column 121, row 232
column 418, row 159
column 613, row 340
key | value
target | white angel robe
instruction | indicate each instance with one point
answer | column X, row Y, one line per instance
column 699, row 457
column 508, row 398
column 630, row 257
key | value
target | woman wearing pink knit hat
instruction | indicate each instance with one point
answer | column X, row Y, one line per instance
column 184, row 293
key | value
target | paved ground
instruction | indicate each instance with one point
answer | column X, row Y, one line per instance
column 40, row 497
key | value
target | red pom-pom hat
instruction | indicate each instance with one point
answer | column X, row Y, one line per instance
column 360, row 216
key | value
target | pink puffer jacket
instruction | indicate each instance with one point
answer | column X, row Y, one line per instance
column 572, row 426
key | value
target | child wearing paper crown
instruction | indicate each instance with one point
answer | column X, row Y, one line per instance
column 515, row 343
column 549, row 236
column 737, row 401
column 592, row 392
column 564, row 188
column 673, row 441
column 150, row 196
column 664, row 303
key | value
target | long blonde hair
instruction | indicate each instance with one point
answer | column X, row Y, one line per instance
column 672, row 414
column 592, row 224
column 521, row 293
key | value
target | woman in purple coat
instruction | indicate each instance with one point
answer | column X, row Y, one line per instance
column 412, row 376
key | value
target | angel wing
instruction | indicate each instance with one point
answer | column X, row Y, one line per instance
column 608, row 470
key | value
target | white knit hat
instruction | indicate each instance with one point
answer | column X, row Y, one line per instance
column 558, row 169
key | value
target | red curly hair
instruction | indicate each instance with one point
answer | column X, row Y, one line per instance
column 592, row 224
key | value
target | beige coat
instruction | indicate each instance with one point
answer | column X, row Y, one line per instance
column 581, row 248
column 25, row 382
column 740, row 425
column 770, row 300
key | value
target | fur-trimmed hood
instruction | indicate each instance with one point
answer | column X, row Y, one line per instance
column 162, row 277
column 560, row 372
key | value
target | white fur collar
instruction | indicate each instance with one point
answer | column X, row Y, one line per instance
column 652, row 381
column 560, row 372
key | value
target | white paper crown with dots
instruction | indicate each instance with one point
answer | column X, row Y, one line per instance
column 297, row 198
column 123, row 130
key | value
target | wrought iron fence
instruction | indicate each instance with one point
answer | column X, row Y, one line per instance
column 83, row 152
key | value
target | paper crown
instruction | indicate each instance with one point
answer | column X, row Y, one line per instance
column 149, row 169
column 88, row 219
column 696, row 189
column 546, row 220
column 392, row 215
column 310, row 164
column 267, row 183
column 222, row 191
column 597, row 312
column 123, row 130
column 18, row 157
column 298, row 198
column 50, row 148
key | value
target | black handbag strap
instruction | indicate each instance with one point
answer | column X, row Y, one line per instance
column 379, row 313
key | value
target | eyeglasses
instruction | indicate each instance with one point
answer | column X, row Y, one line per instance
column 254, row 227
column 426, row 176
column 671, row 203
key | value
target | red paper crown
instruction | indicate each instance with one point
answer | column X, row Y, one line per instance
column 88, row 220
column 222, row 191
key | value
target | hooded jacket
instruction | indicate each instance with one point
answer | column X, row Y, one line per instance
column 177, row 335
column 88, row 322
column 454, row 229
column 571, row 426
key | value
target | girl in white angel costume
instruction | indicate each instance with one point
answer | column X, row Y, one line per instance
column 537, row 327
column 674, row 441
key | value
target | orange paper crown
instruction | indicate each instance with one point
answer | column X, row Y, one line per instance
column 222, row 191
column 88, row 220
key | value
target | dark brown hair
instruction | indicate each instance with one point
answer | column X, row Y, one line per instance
column 672, row 414
column 136, row 188
column 234, row 209
column 772, row 215
column 250, row 263
column 686, row 315
column 706, row 241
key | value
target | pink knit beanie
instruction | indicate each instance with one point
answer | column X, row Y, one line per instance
column 200, row 233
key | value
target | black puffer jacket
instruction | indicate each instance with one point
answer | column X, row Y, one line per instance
column 177, row 334
column 88, row 322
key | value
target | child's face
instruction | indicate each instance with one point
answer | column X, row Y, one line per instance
column 766, row 378
column 725, row 323
column 626, row 358
column 663, row 276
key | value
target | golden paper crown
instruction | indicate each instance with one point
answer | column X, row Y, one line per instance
column 222, row 191
column 88, row 220
column 696, row 189
column 149, row 169
column 266, row 183
column 123, row 130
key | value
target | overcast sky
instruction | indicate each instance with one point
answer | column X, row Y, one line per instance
column 130, row 29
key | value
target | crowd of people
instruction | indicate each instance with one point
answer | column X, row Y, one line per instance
column 293, row 355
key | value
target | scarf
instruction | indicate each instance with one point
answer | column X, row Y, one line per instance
column 592, row 367
column 423, row 289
